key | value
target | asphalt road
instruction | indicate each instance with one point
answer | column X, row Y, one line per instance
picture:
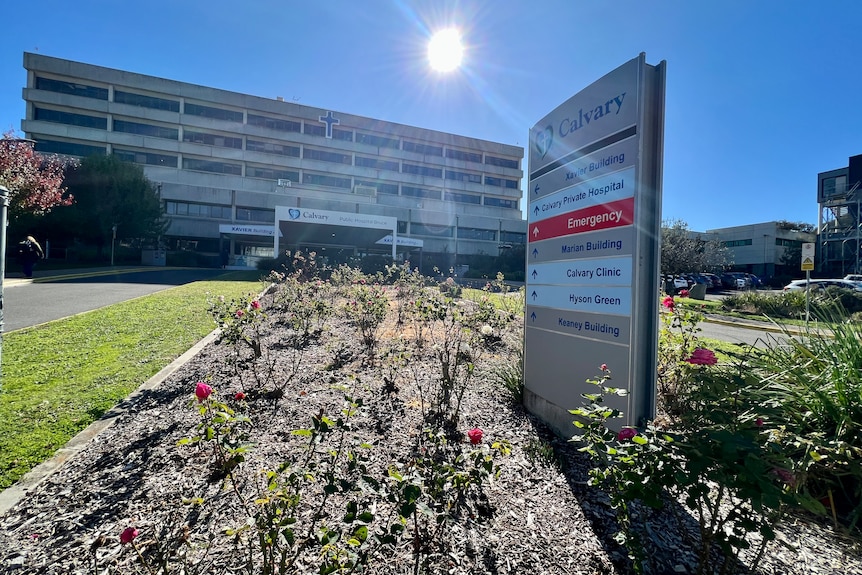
column 28, row 303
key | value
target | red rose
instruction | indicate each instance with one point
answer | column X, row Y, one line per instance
column 128, row 535
column 239, row 396
column 202, row 391
column 475, row 436
column 255, row 304
column 626, row 433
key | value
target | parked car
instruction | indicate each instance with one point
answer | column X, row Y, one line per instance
column 853, row 277
column 715, row 281
column 678, row 283
column 820, row 284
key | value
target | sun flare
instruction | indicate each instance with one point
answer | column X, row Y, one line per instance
column 445, row 51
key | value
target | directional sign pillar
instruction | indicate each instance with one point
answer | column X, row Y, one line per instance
column 593, row 246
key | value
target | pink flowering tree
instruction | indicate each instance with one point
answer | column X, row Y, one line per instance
column 34, row 180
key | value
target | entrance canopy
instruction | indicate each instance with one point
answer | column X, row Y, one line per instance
column 325, row 228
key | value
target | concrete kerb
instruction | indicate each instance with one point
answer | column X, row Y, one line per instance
column 14, row 493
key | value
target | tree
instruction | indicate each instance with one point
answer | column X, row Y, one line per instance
column 108, row 192
column 34, row 180
column 683, row 250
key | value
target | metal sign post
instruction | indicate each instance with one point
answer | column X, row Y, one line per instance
column 807, row 266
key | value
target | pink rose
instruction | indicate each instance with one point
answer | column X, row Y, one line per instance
column 702, row 356
column 683, row 293
column 128, row 535
column 626, row 433
column 202, row 391
column 239, row 313
column 668, row 302
column 475, row 436
column 255, row 304
column 758, row 422
column 603, row 367
column 239, row 396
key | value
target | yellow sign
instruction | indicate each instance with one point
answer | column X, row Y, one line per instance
column 807, row 264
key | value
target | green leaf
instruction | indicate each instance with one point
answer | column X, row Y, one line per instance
column 640, row 440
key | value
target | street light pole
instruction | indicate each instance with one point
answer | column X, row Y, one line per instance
column 113, row 239
column 4, row 204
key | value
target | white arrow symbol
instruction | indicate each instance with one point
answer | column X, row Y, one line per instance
column 536, row 231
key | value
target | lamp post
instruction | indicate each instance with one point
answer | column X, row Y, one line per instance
column 4, row 204
column 113, row 239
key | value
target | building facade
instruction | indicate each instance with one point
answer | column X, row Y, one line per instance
column 763, row 249
column 223, row 162
column 839, row 196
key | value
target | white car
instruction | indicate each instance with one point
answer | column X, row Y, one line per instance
column 820, row 284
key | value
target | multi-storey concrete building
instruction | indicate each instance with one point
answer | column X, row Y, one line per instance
column 224, row 162
column 839, row 196
column 760, row 248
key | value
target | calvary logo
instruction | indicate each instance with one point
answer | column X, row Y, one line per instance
column 293, row 213
column 543, row 141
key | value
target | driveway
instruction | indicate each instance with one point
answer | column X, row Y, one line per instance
column 62, row 294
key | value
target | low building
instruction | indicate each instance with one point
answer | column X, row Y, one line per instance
column 227, row 163
column 763, row 249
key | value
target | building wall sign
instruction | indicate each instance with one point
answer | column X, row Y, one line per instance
column 401, row 241
column 592, row 256
column 246, row 230
column 326, row 217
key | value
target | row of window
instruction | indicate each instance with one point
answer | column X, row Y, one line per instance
column 277, row 124
column 221, row 141
column 222, row 212
column 736, row 243
column 266, row 172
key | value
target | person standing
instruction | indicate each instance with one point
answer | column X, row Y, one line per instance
column 29, row 252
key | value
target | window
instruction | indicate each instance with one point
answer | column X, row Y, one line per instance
column 214, row 113
column 382, row 187
column 212, row 139
column 270, row 173
column 419, row 192
column 513, row 237
column 146, row 130
column 376, row 141
column 424, row 149
column 68, row 148
column 70, row 119
column 402, row 227
column 345, row 135
column 430, row 230
column 834, row 186
column 211, row 166
column 500, row 203
column 736, row 243
column 274, row 123
column 146, row 158
column 326, row 156
column 201, row 210
column 314, row 130
column 464, row 156
column 463, row 177
column 254, row 215
column 787, row 243
column 501, row 182
column 142, row 101
column 462, row 198
column 421, row 170
column 377, row 163
column 477, row 234
column 272, row 148
column 72, row 88
column 323, row 180
column 502, row 162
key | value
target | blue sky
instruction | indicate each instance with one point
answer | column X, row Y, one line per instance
column 761, row 95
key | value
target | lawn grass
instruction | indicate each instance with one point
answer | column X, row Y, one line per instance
column 62, row 376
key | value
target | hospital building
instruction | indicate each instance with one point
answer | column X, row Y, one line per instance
column 257, row 176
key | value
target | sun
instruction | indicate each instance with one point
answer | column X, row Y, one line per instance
column 445, row 50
